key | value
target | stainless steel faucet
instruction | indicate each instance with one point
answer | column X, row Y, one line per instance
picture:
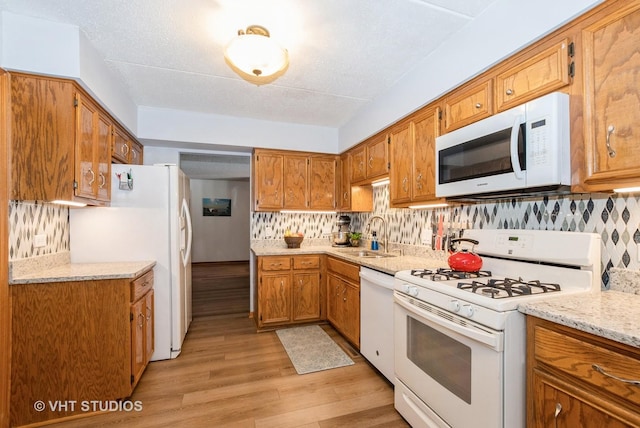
column 385, row 236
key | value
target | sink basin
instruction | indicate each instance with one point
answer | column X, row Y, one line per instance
column 366, row 253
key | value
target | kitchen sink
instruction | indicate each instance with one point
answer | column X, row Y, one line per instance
column 366, row 253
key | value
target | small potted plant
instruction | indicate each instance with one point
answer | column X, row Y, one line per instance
column 354, row 239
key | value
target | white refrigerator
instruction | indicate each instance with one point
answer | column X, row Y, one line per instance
column 148, row 219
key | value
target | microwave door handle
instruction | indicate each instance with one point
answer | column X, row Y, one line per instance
column 515, row 159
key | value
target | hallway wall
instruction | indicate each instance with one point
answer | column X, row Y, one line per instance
column 218, row 238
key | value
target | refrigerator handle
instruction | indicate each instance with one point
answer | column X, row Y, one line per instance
column 186, row 252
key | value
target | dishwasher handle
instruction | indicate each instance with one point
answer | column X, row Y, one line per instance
column 377, row 278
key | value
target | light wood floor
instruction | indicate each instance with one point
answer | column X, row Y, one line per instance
column 230, row 376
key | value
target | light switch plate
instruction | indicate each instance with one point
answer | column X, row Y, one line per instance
column 40, row 240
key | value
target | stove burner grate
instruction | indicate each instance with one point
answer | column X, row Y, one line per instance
column 444, row 274
column 508, row 287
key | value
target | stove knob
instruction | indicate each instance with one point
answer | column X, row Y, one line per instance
column 413, row 291
column 455, row 305
column 468, row 310
column 406, row 288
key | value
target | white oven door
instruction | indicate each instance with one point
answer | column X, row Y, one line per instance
column 453, row 365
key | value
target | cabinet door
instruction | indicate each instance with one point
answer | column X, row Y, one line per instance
column 136, row 154
column 120, row 147
column 554, row 406
column 268, row 180
column 149, row 342
column 275, row 299
column 295, row 181
column 611, row 99
column 400, row 175
column 468, row 105
column 378, row 157
column 322, row 183
column 86, row 174
column 345, row 183
column 539, row 75
column 334, row 300
column 358, row 168
column 351, row 313
column 426, row 129
column 306, row 296
column 138, row 335
column 103, row 157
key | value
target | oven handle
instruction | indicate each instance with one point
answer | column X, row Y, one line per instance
column 492, row 339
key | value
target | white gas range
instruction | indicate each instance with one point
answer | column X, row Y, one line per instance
column 459, row 339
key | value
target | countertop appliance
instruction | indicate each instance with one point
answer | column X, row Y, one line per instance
column 524, row 150
column 376, row 320
column 340, row 238
column 148, row 220
column 459, row 339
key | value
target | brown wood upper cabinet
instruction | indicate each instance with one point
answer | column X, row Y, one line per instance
column 93, row 150
column 370, row 160
column 59, row 141
column 294, row 180
column 611, row 99
column 125, row 149
column 412, row 175
column 352, row 198
column 541, row 73
column 468, row 104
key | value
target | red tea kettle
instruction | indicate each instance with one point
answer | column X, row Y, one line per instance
column 464, row 260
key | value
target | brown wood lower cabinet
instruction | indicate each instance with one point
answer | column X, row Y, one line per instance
column 290, row 290
column 343, row 298
column 75, row 342
column 576, row 379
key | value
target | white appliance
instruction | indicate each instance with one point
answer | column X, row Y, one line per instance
column 376, row 320
column 459, row 339
column 522, row 150
column 149, row 221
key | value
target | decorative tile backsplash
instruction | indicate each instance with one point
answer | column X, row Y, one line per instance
column 616, row 218
column 28, row 219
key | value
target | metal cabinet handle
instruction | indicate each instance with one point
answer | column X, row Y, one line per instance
column 557, row 412
column 404, row 184
column 419, row 181
column 602, row 371
column 478, row 105
column 346, row 196
column 140, row 320
column 370, row 161
column 103, row 181
column 134, row 154
column 93, row 176
column 361, row 166
column 148, row 313
column 509, row 92
column 610, row 129
column 124, row 149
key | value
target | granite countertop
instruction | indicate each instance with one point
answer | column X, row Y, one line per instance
column 389, row 265
column 59, row 269
column 610, row 314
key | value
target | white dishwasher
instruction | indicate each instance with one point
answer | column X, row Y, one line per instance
column 376, row 320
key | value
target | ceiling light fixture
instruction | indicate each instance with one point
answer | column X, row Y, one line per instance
column 255, row 56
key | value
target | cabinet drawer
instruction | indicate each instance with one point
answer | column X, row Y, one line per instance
column 275, row 263
column 141, row 285
column 306, row 262
column 602, row 368
column 346, row 269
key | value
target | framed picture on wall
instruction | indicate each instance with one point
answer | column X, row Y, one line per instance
column 216, row 207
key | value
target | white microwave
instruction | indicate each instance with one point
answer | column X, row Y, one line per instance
column 519, row 152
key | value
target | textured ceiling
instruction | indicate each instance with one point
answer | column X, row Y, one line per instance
column 343, row 53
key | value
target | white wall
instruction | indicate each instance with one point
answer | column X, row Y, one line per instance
column 504, row 28
column 217, row 239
